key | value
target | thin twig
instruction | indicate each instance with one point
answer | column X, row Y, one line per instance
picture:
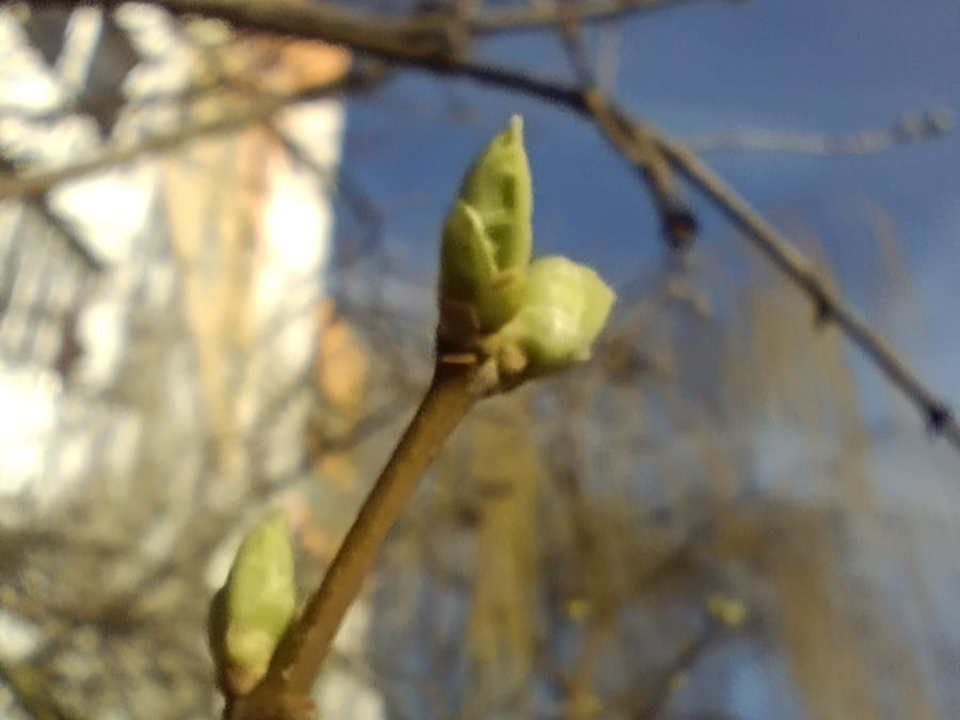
column 74, row 244
column 828, row 304
column 630, row 140
column 907, row 130
column 541, row 16
column 416, row 37
column 674, row 675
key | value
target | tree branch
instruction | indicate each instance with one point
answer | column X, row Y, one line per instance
column 672, row 678
column 828, row 304
column 411, row 38
column 630, row 140
column 286, row 688
column 32, row 692
column 33, row 184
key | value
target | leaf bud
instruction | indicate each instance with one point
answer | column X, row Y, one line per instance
column 252, row 611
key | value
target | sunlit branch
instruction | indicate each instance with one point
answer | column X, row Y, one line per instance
column 538, row 16
column 631, row 141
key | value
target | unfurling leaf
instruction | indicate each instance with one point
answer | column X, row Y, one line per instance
column 515, row 318
column 498, row 187
column 563, row 308
column 487, row 236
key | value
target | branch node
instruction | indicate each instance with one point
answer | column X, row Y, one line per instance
column 938, row 416
column 823, row 308
column 680, row 226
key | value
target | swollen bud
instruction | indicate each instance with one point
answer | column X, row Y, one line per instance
column 563, row 308
column 498, row 187
column 487, row 235
column 517, row 319
column 252, row 611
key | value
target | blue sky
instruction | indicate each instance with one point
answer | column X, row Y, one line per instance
column 820, row 65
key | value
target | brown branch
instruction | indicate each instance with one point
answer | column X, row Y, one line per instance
column 415, row 42
column 632, row 141
column 408, row 38
column 674, row 675
column 828, row 303
column 413, row 38
column 539, row 16
column 285, row 691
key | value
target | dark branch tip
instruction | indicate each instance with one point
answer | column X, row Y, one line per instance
column 939, row 416
column 680, row 226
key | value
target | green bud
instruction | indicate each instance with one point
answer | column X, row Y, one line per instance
column 487, row 235
column 728, row 611
column 518, row 319
column 499, row 189
column 254, row 608
column 563, row 308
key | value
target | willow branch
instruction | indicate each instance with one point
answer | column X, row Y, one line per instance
column 671, row 679
column 540, row 16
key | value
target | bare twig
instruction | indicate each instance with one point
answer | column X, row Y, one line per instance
column 631, row 141
column 419, row 36
column 538, row 16
column 38, row 205
column 907, row 130
column 416, row 37
column 828, row 304
column 674, row 675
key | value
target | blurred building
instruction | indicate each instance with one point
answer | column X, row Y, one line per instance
column 164, row 319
